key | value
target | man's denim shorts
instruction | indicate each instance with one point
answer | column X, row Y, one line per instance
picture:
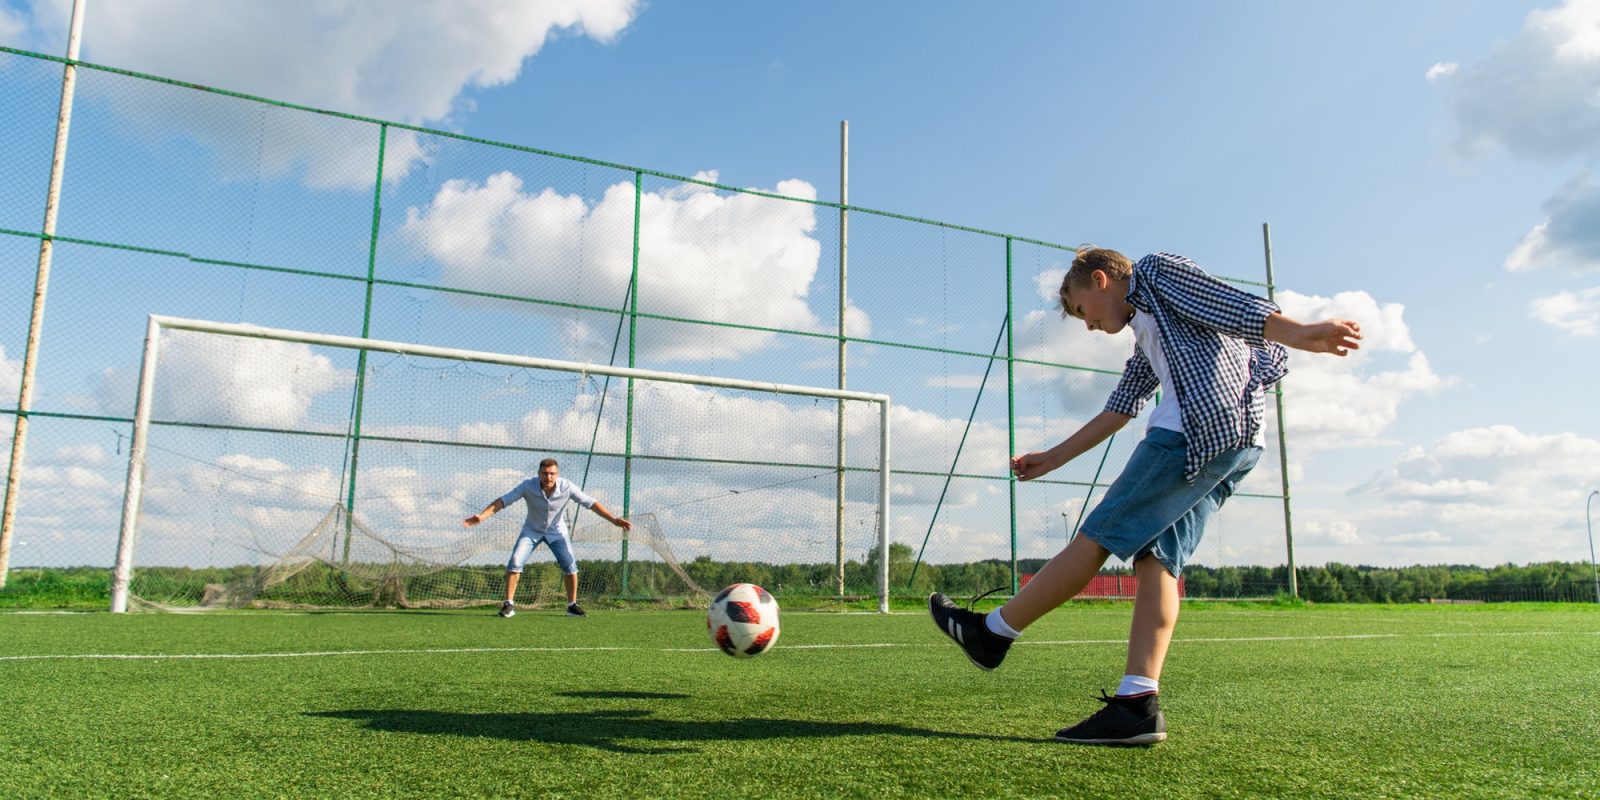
column 1151, row 509
column 559, row 547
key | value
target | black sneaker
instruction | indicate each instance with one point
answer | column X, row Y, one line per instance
column 508, row 609
column 983, row 648
column 1132, row 720
column 574, row 611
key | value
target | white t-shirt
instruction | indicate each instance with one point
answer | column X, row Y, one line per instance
column 544, row 512
column 1147, row 334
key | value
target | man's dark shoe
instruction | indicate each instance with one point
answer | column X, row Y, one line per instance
column 1132, row 720
column 508, row 609
column 574, row 611
column 967, row 629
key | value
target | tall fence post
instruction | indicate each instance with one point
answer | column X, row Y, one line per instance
column 633, row 338
column 41, row 283
column 361, row 356
column 1283, row 440
column 844, row 269
column 1011, row 415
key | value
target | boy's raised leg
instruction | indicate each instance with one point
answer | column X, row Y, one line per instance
column 1059, row 580
column 1064, row 576
column 967, row 629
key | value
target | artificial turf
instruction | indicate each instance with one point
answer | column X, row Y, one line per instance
column 1327, row 701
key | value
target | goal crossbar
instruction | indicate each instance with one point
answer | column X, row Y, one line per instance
column 133, row 494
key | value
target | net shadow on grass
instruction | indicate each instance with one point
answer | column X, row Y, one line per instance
column 618, row 730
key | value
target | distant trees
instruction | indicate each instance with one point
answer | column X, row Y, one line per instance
column 1342, row 583
column 1553, row 581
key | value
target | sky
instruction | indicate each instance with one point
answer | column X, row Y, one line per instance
column 1427, row 168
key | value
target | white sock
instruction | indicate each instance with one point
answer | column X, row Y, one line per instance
column 1137, row 684
column 997, row 625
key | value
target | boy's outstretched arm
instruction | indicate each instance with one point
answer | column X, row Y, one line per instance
column 1336, row 336
column 1031, row 465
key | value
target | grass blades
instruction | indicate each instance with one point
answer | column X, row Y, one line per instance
column 1485, row 701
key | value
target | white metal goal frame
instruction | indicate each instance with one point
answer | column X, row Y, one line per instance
column 133, row 495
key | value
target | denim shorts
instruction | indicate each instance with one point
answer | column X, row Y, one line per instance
column 559, row 547
column 1150, row 508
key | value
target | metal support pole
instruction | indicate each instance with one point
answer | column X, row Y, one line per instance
column 1011, row 418
column 41, row 282
column 633, row 336
column 1283, row 440
column 844, row 302
column 361, row 356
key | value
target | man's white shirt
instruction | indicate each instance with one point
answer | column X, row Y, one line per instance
column 544, row 511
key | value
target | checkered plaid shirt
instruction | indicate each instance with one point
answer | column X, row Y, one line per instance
column 1219, row 360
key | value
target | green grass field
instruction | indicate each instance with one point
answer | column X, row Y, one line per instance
column 1361, row 702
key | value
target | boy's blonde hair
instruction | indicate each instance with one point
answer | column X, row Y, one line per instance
column 1115, row 265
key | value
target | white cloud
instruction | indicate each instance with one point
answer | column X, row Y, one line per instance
column 12, row 25
column 1341, row 402
column 1478, row 494
column 1569, row 236
column 1443, row 69
column 1418, row 538
column 1574, row 313
column 1047, row 285
column 10, row 378
column 402, row 60
column 705, row 254
column 1534, row 95
column 1046, row 335
column 230, row 381
column 1320, row 533
column 954, row 381
column 81, row 454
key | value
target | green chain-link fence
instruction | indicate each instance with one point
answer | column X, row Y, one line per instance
column 196, row 202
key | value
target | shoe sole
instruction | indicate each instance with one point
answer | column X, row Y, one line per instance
column 947, row 631
column 1142, row 739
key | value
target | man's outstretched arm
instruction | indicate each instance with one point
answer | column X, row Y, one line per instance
column 488, row 511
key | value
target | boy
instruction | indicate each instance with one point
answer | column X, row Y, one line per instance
column 547, row 498
column 1216, row 349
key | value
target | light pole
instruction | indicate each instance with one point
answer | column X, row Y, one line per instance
column 1589, row 521
column 1065, row 527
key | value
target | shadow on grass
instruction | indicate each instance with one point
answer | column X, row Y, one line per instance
column 628, row 730
column 624, row 695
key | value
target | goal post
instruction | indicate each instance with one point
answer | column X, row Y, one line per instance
column 698, row 476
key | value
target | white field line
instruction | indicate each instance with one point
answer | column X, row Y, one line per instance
column 869, row 645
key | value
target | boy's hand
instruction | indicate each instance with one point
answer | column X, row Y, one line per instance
column 471, row 521
column 1031, row 465
column 1336, row 336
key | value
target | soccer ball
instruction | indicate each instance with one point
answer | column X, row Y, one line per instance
column 743, row 620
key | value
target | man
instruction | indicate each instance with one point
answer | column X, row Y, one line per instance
column 546, row 498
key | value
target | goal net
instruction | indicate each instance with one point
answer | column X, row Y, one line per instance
column 277, row 468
